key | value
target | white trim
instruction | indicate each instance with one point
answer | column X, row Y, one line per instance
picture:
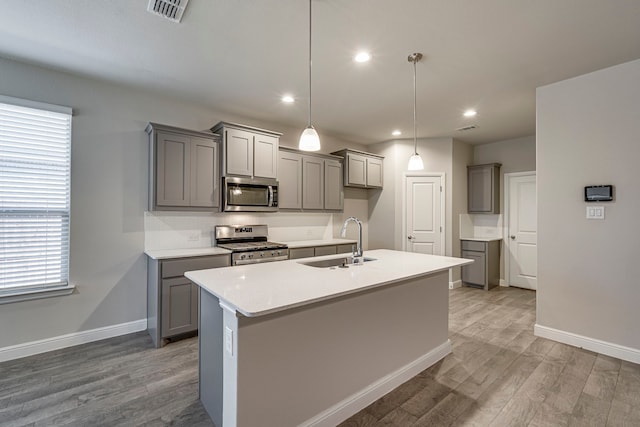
column 363, row 398
column 70, row 340
column 505, row 222
column 443, row 221
column 22, row 294
column 36, row 104
column 602, row 347
column 455, row 284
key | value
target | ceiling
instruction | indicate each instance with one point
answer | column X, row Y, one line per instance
column 241, row 56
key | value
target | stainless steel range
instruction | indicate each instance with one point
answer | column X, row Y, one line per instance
column 248, row 244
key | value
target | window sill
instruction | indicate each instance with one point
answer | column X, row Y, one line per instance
column 8, row 297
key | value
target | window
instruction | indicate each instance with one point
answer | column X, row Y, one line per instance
column 35, row 165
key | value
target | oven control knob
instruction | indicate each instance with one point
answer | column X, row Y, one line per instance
column 250, row 256
column 279, row 252
column 243, row 256
column 261, row 254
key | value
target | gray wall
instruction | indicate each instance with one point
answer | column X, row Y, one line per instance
column 385, row 207
column 108, row 197
column 462, row 157
column 587, row 133
column 515, row 155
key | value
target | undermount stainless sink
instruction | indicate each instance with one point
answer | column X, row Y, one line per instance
column 334, row 262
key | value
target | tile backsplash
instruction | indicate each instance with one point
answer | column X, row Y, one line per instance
column 181, row 230
column 480, row 226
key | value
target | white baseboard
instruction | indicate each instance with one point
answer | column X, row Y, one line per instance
column 456, row 284
column 602, row 347
column 503, row 283
column 360, row 400
column 69, row 340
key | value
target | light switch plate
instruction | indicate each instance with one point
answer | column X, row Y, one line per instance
column 595, row 212
column 228, row 340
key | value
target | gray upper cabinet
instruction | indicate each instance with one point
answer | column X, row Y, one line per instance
column 290, row 180
column 309, row 181
column 248, row 151
column 364, row 170
column 483, row 189
column 333, row 188
column 184, row 169
column 374, row 172
column 312, row 183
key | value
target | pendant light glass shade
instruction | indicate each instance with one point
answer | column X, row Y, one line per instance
column 415, row 161
column 309, row 140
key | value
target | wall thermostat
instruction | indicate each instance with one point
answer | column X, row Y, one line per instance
column 598, row 193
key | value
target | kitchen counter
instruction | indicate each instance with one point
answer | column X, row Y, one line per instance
column 313, row 243
column 481, row 239
column 259, row 289
column 286, row 344
column 185, row 253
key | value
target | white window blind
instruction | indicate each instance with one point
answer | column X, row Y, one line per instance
column 35, row 165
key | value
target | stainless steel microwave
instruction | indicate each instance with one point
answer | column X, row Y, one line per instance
column 249, row 194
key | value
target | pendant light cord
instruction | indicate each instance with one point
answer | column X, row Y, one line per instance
column 415, row 120
column 310, row 63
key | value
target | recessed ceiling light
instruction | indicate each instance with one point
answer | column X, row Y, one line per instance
column 396, row 133
column 288, row 99
column 470, row 113
column 362, row 57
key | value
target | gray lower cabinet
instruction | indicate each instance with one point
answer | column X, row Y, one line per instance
column 485, row 271
column 295, row 253
column 172, row 300
column 184, row 169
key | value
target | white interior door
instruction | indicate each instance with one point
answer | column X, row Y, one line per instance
column 424, row 214
column 523, row 231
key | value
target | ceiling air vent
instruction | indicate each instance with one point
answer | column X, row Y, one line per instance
column 465, row 128
column 170, row 9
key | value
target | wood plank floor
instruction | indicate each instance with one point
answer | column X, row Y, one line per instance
column 499, row 374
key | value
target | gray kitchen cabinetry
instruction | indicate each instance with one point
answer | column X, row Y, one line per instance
column 289, row 180
column 184, row 169
column 333, row 188
column 295, row 253
column 309, row 181
column 312, row 183
column 172, row 300
column 483, row 188
column 248, row 151
column 363, row 170
column 485, row 271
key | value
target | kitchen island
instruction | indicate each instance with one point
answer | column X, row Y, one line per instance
column 285, row 344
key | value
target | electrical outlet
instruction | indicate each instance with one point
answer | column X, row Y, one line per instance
column 193, row 236
column 228, row 340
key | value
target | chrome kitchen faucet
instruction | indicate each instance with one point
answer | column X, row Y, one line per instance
column 357, row 254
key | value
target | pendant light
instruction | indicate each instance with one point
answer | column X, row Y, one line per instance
column 415, row 161
column 309, row 140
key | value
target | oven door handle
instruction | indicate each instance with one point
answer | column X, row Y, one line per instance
column 270, row 201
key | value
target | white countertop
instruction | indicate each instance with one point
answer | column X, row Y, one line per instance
column 184, row 253
column 259, row 289
column 482, row 239
column 312, row 243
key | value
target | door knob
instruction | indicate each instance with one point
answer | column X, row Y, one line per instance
column 513, row 237
column 409, row 237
